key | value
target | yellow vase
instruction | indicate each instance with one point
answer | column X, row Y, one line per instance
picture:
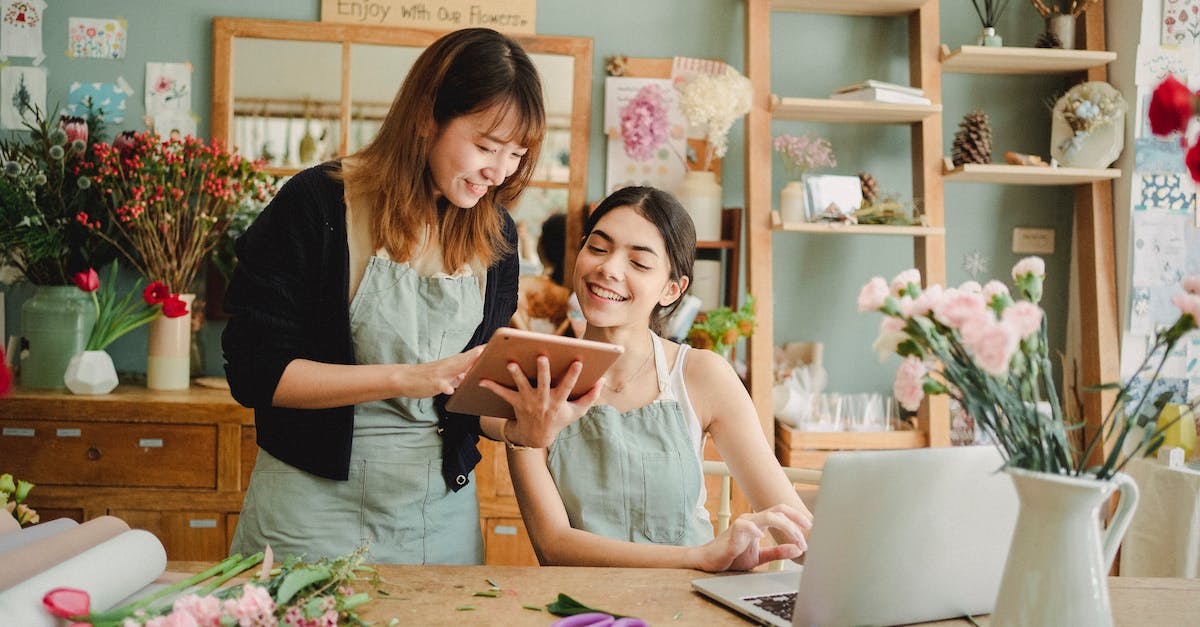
column 1183, row 432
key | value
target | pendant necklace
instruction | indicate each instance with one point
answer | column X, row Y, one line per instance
column 620, row 387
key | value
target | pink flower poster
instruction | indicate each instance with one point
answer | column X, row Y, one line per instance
column 21, row 29
column 646, row 132
column 1180, row 22
column 22, row 89
column 96, row 38
column 168, row 87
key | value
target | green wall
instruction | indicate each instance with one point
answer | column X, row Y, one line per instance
column 816, row 278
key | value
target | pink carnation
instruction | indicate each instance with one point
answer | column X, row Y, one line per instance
column 927, row 301
column 1023, row 318
column 206, row 609
column 971, row 286
column 174, row 619
column 644, row 123
column 993, row 289
column 1188, row 304
column 254, row 608
column 1029, row 265
column 891, row 333
column 902, row 280
column 873, row 295
column 957, row 306
column 908, row 388
column 1191, row 284
column 991, row 345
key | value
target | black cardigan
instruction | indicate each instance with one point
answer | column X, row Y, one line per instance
column 289, row 299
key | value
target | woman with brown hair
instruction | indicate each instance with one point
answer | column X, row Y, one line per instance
column 356, row 294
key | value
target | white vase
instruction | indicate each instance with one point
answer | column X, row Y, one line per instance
column 169, row 351
column 792, row 205
column 1064, row 27
column 989, row 38
column 1057, row 569
column 91, row 372
column 700, row 194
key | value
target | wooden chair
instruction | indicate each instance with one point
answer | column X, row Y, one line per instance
column 804, row 476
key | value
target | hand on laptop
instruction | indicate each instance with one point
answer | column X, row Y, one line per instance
column 737, row 548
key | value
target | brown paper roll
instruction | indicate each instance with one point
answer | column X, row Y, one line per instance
column 7, row 522
column 29, row 560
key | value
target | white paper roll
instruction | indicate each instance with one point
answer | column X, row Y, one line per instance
column 29, row 535
column 108, row 572
column 707, row 283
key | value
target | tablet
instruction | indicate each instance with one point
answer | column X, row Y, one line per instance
column 524, row 347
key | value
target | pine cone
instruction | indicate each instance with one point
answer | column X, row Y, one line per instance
column 1048, row 40
column 973, row 141
column 870, row 187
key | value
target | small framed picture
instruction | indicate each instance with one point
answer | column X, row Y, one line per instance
column 832, row 195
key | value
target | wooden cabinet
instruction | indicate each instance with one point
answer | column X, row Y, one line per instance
column 505, row 541
column 174, row 463
column 929, row 241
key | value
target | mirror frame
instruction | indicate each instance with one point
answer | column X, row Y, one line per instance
column 225, row 29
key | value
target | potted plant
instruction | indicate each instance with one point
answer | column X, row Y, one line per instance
column 988, row 351
column 45, row 186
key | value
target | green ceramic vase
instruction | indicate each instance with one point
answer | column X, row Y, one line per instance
column 55, row 322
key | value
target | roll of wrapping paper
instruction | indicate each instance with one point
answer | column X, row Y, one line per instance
column 8, row 524
column 29, row 535
column 108, row 572
column 31, row 559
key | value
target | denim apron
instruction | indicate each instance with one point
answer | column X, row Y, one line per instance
column 633, row 476
column 395, row 499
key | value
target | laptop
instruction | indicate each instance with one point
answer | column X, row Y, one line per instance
column 898, row 537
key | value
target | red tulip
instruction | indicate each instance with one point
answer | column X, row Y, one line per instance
column 75, row 128
column 174, row 307
column 87, row 281
column 5, row 376
column 1192, row 159
column 1170, row 107
column 155, row 293
column 67, row 602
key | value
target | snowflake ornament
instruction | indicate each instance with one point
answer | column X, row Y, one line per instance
column 1141, row 307
column 976, row 264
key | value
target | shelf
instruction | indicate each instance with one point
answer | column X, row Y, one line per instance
column 838, row 228
column 1024, row 174
column 716, row 244
column 849, row 7
column 854, row 111
column 792, row 438
column 1012, row 60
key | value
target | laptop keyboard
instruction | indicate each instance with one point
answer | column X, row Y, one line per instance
column 780, row 605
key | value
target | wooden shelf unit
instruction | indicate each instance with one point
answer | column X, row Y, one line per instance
column 1025, row 175
column 925, row 122
column 807, row 449
column 849, row 111
column 1013, row 60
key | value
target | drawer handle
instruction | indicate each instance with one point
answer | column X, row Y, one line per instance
column 150, row 442
column 93, row 453
column 202, row 523
column 506, row 530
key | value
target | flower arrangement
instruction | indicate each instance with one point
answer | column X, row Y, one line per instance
column 1172, row 107
column 116, row 318
column 720, row 328
column 1087, row 107
column 989, row 352
column 299, row 594
column 170, row 200
column 46, row 181
column 12, row 497
column 989, row 11
column 1050, row 8
column 714, row 102
column 644, row 123
column 803, row 153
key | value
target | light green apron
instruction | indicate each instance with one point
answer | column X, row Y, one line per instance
column 395, row 498
column 633, row 476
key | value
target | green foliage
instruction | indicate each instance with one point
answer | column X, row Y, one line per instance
column 720, row 328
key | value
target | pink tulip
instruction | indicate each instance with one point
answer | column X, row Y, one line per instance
column 67, row 602
column 87, row 281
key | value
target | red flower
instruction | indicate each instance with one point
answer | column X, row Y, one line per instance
column 1170, row 107
column 5, row 376
column 155, row 293
column 67, row 602
column 1192, row 159
column 125, row 143
column 75, row 127
column 87, row 281
column 174, row 307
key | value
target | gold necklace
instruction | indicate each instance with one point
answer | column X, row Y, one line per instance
column 620, row 387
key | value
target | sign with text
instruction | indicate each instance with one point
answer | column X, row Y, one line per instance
column 507, row 16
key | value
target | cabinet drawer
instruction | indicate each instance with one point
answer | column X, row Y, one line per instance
column 110, row 454
column 186, row 536
column 506, row 543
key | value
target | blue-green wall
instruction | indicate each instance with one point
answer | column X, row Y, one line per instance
column 816, row 278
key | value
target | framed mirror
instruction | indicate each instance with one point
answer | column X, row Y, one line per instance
column 298, row 93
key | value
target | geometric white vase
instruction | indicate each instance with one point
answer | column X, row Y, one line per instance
column 91, row 372
column 1057, row 568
